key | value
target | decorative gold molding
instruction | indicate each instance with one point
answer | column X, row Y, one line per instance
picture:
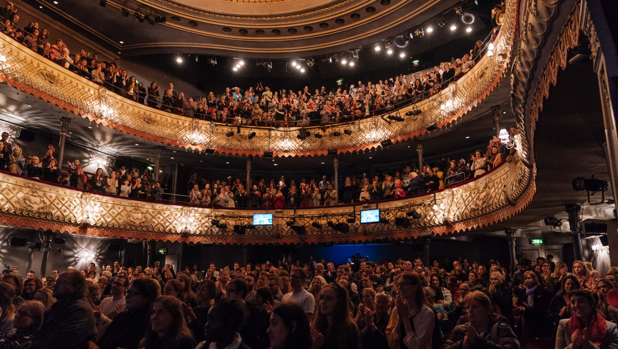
column 477, row 203
column 27, row 71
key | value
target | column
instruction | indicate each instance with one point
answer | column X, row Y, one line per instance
column 419, row 148
column 64, row 130
column 46, row 238
column 575, row 225
column 336, row 184
column 510, row 235
column 157, row 163
column 175, row 182
column 497, row 111
column 150, row 247
column 427, row 243
column 248, row 186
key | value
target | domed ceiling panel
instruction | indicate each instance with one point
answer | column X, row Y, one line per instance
column 251, row 7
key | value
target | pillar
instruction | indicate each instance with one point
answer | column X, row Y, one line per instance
column 575, row 226
column 157, row 163
column 248, row 186
column 497, row 111
column 336, row 184
column 64, row 130
column 175, row 182
column 46, row 238
column 150, row 249
column 510, row 235
column 419, row 148
column 427, row 243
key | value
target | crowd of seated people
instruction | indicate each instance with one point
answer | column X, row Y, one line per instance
column 309, row 192
column 232, row 193
column 289, row 304
column 253, row 106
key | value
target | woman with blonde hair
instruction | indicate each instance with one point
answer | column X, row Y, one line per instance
column 317, row 285
column 501, row 296
column 583, row 275
column 45, row 296
column 17, row 162
column 560, row 271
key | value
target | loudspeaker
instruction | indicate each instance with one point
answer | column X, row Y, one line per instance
column 19, row 242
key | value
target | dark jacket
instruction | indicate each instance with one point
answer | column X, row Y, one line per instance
column 534, row 317
column 504, row 300
column 498, row 335
column 68, row 324
column 127, row 330
column 416, row 185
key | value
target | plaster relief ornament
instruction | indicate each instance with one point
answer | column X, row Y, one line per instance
column 136, row 217
column 33, row 201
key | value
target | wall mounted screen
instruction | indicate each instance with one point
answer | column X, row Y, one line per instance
column 263, row 219
column 370, row 216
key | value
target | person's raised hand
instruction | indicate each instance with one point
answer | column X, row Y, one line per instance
column 268, row 307
column 120, row 308
column 317, row 339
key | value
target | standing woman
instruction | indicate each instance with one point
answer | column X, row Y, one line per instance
column 532, row 303
column 333, row 327
column 153, row 95
column 560, row 272
column 586, row 328
column 289, row 328
column 412, row 321
column 112, row 184
column 582, row 273
column 168, row 329
column 98, row 181
column 501, row 296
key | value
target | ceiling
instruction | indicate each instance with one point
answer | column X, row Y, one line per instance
column 265, row 29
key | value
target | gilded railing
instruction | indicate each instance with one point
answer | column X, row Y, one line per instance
column 30, row 72
column 488, row 199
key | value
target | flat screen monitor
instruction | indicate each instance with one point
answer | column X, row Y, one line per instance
column 262, row 219
column 370, row 216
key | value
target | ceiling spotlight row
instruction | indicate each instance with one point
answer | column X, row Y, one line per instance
column 239, row 64
column 298, row 66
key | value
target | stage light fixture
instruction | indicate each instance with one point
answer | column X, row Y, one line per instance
column 310, row 62
column 413, row 214
column 318, row 136
column 420, row 32
column 468, row 30
column 316, row 225
column 384, row 221
column 402, row 55
column 553, row 221
column 351, row 64
column 429, row 29
column 241, row 62
column 377, row 48
column 395, row 117
column 251, row 135
column 212, row 61
column 293, row 63
column 348, row 132
column 299, row 229
column 351, row 220
column 344, row 61
column 432, row 127
column 235, row 69
column 229, row 134
column 413, row 112
column 389, row 51
column 160, row 19
column 125, row 12
column 336, row 133
column 400, row 41
column 453, row 27
column 138, row 16
column 240, row 229
column 149, row 19
column 440, row 21
column 385, row 143
column 179, row 60
column 402, row 222
column 467, row 18
column 215, row 222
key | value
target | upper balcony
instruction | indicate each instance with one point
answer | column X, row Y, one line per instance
column 35, row 75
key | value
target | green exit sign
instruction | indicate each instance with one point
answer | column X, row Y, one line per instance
column 536, row 241
column 162, row 250
column 340, row 81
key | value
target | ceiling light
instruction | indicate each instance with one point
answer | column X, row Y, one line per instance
column 302, row 70
column 235, row 69
column 121, row 42
column 390, row 51
column 468, row 30
column 40, row 6
column 402, row 55
column 275, row 164
column 227, row 162
column 344, row 61
column 370, row 158
column 429, row 29
column 172, row 158
column 378, row 48
column 178, row 60
column 136, row 143
column 322, row 162
column 241, row 62
column 491, row 46
column 467, row 18
column 351, row 64
column 293, row 63
column 55, row 2
column 467, row 137
column 453, row 27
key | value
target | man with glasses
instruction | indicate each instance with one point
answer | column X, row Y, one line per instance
column 299, row 295
column 128, row 327
column 275, row 289
column 113, row 305
column 70, row 322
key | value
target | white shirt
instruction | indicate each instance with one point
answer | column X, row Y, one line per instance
column 108, row 305
column 303, row 298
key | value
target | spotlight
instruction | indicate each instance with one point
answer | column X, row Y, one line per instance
column 592, row 186
column 377, row 48
column 299, row 67
column 400, row 41
column 553, row 221
column 241, row 62
column 316, row 225
column 303, row 134
column 395, row 118
column 178, row 60
column 429, row 29
column 159, row 19
column 221, row 225
column 229, row 134
column 351, row 220
column 348, row 132
column 467, row 18
column 351, row 64
column 336, row 133
column 413, row 112
column 215, row 222
column 453, row 27
column 318, row 136
column 293, row 63
column 389, row 51
column 251, row 135
column 340, row 227
column 299, row 229
column 125, row 12
column 103, row 3
column 240, row 229
column 344, row 61
column 468, row 30
column 138, row 16
column 310, row 62
column 386, row 143
column 413, row 214
column 389, row 48
column 212, row 61
column 402, row 55
column 419, row 32
column 235, row 69
column 150, row 19
column 432, row 127
column 440, row 21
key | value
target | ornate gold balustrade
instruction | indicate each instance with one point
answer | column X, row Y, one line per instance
column 488, row 199
column 30, row 72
